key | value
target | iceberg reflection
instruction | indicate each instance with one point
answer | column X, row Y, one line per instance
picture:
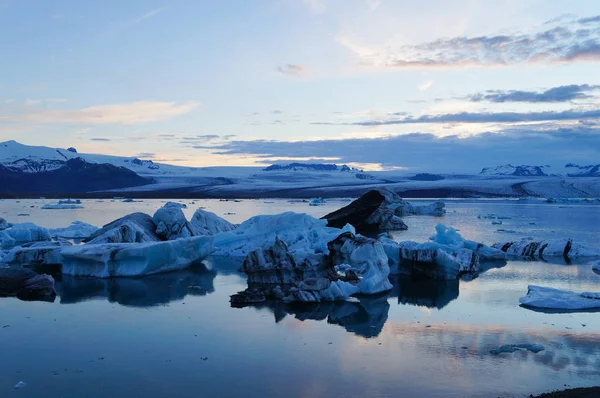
column 147, row 291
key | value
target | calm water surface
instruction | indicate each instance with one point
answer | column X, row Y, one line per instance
column 155, row 337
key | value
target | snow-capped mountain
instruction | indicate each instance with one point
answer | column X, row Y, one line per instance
column 36, row 170
column 519, row 171
column 311, row 167
column 72, row 176
column 583, row 171
column 34, row 159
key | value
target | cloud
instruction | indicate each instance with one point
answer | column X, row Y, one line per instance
column 425, row 86
column 147, row 15
column 577, row 40
column 99, row 139
column 482, row 117
column 292, row 70
column 147, row 155
column 555, row 94
column 30, row 101
column 316, row 6
column 130, row 113
column 427, row 152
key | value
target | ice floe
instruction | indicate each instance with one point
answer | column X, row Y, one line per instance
column 547, row 298
column 510, row 348
column 538, row 250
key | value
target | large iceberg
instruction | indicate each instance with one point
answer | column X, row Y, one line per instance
column 538, row 250
column 301, row 233
column 351, row 265
column 447, row 256
column 547, row 298
column 206, row 223
column 134, row 259
column 171, row 222
column 380, row 210
column 132, row 228
column 77, row 230
column 62, row 206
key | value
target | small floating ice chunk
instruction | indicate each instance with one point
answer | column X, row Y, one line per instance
column 60, row 207
column 19, row 385
column 556, row 299
column 510, row 348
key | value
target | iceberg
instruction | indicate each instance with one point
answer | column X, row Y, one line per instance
column 6, row 241
column 547, row 298
column 61, row 206
column 538, row 250
column 448, row 236
column 301, row 232
column 27, row 232
column 44, row 258
column 134, row 259
column 26, row 284
column 380, row 210
column 206, row 223
column 510, row 348
column 364, row 257
column 77, row 230
column 171, row 222
column 447, row 256
column 353, row 265
column 4, row 224
column 596, row 266
column 132, row 228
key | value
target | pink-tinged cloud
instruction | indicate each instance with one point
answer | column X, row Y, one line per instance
column 131, row 113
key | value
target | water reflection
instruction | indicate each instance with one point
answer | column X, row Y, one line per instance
column 148, row 291
column 424, row 293
column 366, row 316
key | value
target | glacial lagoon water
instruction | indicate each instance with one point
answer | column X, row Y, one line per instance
column 156, row 337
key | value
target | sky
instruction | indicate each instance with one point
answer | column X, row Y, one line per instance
column 379, row 84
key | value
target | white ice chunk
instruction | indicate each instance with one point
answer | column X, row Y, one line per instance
column 206, row 223
column 555, row 299
column 171, row 222
column 28, row 232
column 60, row 206
column 134, row 259
column 299, row 231
column 77, row 230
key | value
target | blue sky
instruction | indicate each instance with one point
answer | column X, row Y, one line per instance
column 234, row 82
